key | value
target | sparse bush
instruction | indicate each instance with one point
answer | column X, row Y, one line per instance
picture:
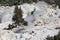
column 25, row 23
column 11, row 26
column 56, row 37
column 57, row 2
column 50, row 38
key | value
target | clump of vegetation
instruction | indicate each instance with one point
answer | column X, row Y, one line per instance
column 17, row 18
column 15, row 2
column 57, row 2
column 50, row 38
column 25, row 23
column 11, row 26
column 50, row 1
column 18, row 2
column 35, row 1
column 56, row 37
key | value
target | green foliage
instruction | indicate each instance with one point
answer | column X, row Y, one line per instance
column 57, row 2
column 15, row 2
column 11, row 26
column 18, row 2
column 35, row 1
column 18, row 15
column 59, row 6
column 50, row 38
column 17, row 18
column 56, row 37
column 25, row 23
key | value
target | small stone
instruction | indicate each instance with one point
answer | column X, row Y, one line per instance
column 55, row 13
column 50, row 15
column 35, row 24
column 26, row 38
column 59, row 17
column 57, row 28
column 32, row 31
column 21, row 36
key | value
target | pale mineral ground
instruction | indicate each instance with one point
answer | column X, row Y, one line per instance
column 41, row 24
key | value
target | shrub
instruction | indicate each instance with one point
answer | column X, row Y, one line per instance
column 56, row 37
column 57, row 2
column 25, row 23
column 16, row 2
column 11, row 26
column 50, row 38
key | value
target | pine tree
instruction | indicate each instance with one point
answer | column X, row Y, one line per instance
column 18, row 15
column 17, row 18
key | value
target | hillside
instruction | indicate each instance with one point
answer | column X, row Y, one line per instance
column 43, row 20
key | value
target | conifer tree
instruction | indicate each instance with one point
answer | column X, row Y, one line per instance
column 17, row 18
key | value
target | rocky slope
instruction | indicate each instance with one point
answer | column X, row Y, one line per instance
column 41, row 23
